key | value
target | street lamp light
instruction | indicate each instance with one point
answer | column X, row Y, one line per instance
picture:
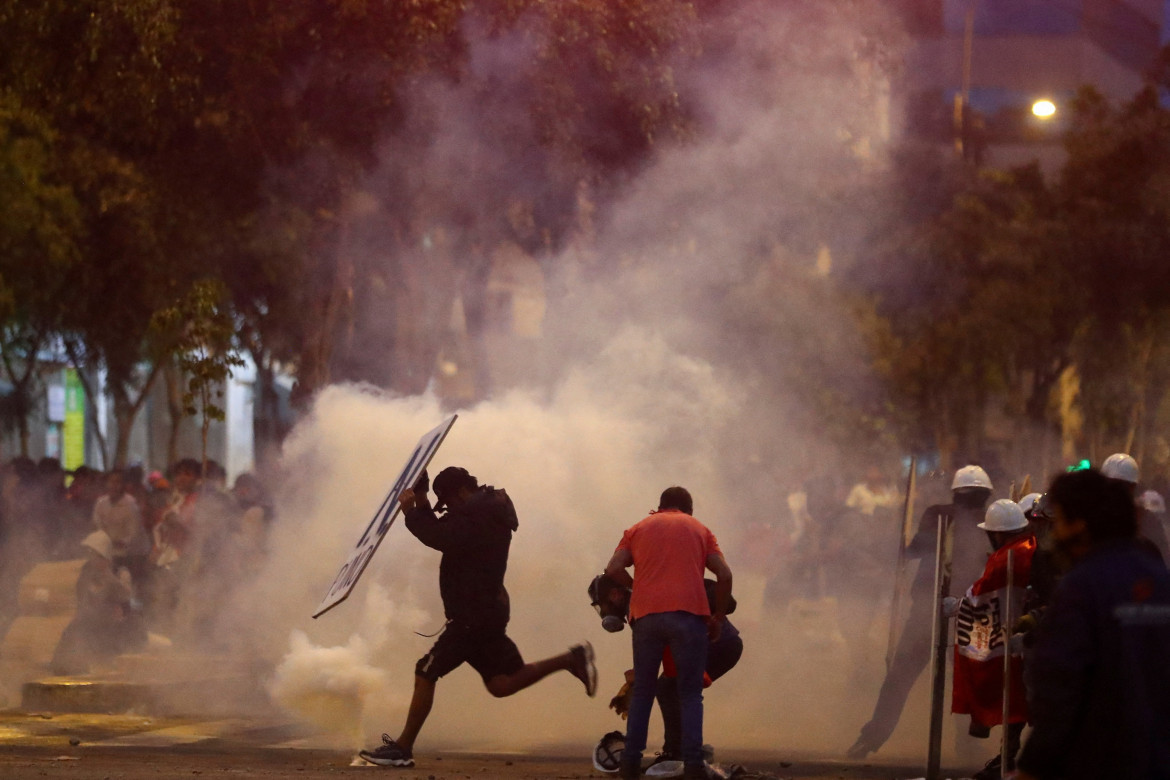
column 1044, row 109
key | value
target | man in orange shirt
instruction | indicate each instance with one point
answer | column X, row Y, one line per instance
column 669, row 551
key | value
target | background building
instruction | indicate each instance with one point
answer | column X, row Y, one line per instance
column 1014, row 53
column 63, row 424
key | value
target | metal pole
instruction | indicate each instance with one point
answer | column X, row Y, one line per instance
column 900, row 570
column 963, row 97
column 1007, row 660
column 939, row 644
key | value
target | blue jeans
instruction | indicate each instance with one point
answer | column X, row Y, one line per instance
column 721, row 657
column 686, row 636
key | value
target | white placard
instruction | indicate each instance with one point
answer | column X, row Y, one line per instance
column 56, row 403
column 359, row 556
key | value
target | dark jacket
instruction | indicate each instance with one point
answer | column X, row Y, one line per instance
column 969, row 555
column 1099, row 677
column 474, row 539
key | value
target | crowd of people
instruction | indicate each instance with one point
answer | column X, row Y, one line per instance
column 159, row 549
column 1057, row 613
column 1061, row 609
column 1086, row 641
column 1058, row 602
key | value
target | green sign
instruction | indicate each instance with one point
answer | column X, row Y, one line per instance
column 73, row 429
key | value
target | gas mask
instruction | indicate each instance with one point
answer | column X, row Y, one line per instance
column 612, row 602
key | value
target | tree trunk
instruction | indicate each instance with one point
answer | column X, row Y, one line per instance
column 267, row 427
column 422, row 299
column 324, row 312
column 1071, row 418
column 20, row 390
column 174, row 393
column 1142, row 376
column 22, row 428
column 123, row 422
column 474, row 293
column 126, row 408
column 204, row 402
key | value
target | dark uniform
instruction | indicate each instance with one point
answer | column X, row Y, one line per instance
column 913, row 651
column 474, row 538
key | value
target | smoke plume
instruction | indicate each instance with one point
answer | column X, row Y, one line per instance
column 667, row 357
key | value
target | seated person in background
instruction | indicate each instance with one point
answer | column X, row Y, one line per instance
column 105, row 625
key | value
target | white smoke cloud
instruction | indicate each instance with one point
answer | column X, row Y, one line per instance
column 642, row 402
column 328, row 685
column 580, row 467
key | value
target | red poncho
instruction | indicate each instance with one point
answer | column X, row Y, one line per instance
column 980, row 636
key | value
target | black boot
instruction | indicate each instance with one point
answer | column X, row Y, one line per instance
column 630, row 770
column 990, row 771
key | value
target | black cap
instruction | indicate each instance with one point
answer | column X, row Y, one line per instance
column 450, row 481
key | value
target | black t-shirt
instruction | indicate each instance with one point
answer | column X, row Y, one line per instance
column 474, row 538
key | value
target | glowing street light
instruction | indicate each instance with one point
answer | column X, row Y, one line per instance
column 1044, row 109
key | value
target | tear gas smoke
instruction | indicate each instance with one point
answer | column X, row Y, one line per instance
column 654, row 389
column 580, row 466
column 329, row 685
column 667, row 366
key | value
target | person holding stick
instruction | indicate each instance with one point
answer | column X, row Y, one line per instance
column 970, row 490
column 982, row 683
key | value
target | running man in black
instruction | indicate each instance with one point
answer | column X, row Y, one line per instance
column 474, row 535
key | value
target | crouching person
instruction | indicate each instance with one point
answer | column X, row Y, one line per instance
column 612, row 602
column 669, row 551
column 105, row 625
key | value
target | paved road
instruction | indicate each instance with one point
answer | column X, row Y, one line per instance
column 129, row 747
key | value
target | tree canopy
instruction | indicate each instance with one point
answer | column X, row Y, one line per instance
column 347, row 171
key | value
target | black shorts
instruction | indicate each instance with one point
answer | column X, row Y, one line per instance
column 489, row 651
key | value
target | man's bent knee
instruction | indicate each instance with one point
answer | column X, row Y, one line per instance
column 500, row 686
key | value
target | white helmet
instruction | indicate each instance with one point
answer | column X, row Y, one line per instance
column 971, row 477
column 1120, row 466
column 1028, row 502
column 607, row 756
column 1004, row 515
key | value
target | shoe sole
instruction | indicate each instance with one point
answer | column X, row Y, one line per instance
column 590, row 671
column 403, row 763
